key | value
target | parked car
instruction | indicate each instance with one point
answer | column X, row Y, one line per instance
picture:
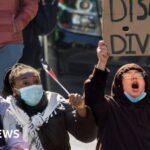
column 75, row 39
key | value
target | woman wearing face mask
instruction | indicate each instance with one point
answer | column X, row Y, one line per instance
column 45, row 118
column 123, row 117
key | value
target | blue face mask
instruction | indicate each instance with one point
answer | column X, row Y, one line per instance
column 135, row 99
column 31, row 95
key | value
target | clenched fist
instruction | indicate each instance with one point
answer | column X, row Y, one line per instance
column 102, row 54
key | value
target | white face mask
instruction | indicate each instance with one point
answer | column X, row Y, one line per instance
column 31, row 95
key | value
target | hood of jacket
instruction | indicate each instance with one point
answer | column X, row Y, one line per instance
column 117, row 87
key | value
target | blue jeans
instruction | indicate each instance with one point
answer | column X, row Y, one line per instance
column 9, row 56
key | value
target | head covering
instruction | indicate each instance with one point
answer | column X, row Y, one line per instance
column 117, row 87
column 10, row 76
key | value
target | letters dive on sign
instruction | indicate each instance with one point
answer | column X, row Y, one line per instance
column 126, row 26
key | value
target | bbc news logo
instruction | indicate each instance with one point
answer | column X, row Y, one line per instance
column 9, row 133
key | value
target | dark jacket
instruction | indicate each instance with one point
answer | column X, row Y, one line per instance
column 53, row 133
column 41, row 23
column 123, row 125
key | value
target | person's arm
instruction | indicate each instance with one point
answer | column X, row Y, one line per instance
column 80, row 121
column 27, row 12
column 102, row 55
column 46, row 18
column 94, row 86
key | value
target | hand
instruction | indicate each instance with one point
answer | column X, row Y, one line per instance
column 77, row 101
column 102, row 54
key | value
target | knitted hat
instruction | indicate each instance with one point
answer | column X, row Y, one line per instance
column 117, row 87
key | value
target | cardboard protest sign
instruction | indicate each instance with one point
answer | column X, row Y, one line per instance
column 126, row 27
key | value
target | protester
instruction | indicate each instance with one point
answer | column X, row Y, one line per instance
column 123, row 116
column 9, row 139
column 14, row 16
column 45, row 118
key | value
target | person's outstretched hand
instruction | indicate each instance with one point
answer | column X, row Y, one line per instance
column 102, row 54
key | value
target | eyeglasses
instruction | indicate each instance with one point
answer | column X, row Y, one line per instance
column 137, row 75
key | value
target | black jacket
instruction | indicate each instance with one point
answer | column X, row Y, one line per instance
column 54, row 134
column 42, row 24
column 123, row 125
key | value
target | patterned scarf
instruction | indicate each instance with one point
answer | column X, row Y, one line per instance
column 31, row 125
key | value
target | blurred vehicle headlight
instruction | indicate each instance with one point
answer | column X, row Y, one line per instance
column 79, row 16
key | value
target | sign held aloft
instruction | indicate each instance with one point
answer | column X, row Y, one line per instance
column 126, row 27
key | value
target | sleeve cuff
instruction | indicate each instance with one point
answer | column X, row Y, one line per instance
column 100, row 74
